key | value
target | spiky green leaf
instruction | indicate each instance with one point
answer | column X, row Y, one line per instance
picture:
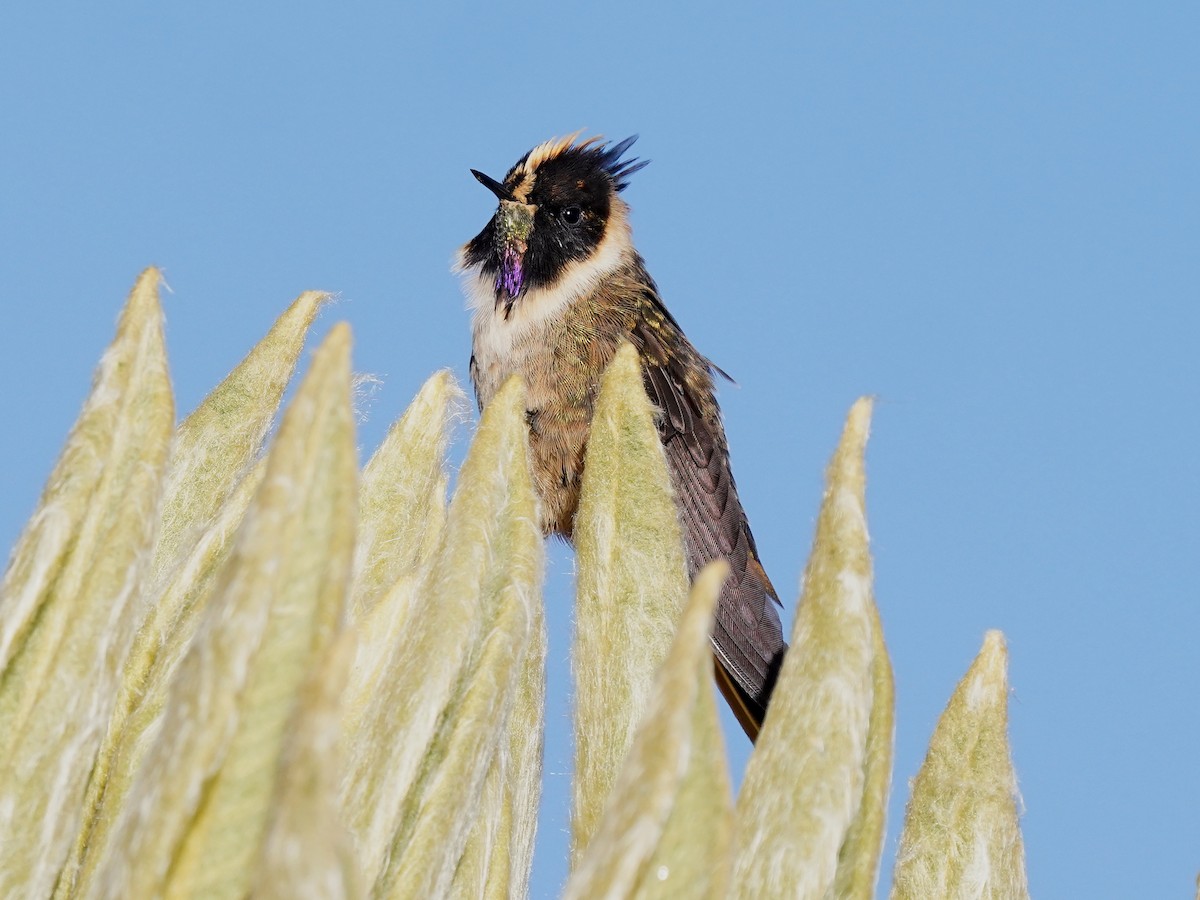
column 403, row 498
column 427, row 733
column 666, row 828
column 961, row 834
column 224, row 434
column 196, row 813
column 858, row 862
column 630, row 589
column 212, row 476
column 804, row 785
column 307, row 850
column 68, row 604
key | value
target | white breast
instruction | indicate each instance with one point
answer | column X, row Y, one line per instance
column 504, row 344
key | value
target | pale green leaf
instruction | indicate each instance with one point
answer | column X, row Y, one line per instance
column 402, row 508
column 197, row 810
column 224, row 434
column 307, row 852
column 694, row 856
column 499, row 855
column 805, row 782
column 145, row 685
column 68, row 604
column 631, row 585
column 454, row 668
column 665, row 831
column 523, row 781
column 402, row 502
column 447, row 802
column 213, row 474
column 858, row 864
column 961, row 834
column 483, row 870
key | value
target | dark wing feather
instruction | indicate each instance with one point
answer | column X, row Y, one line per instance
column 747, row 635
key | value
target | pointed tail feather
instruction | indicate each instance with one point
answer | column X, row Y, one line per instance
column 747, row 634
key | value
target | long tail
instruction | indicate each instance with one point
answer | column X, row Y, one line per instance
column 748, row 654
column 748, row 636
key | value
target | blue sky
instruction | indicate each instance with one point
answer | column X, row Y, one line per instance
column 988, row 218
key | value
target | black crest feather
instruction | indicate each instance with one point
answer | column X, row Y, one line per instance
column 620, row 169
column 591, row 152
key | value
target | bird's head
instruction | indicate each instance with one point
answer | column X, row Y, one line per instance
column 557, row 205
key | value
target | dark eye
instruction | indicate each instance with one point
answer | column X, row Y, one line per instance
column 571, row 214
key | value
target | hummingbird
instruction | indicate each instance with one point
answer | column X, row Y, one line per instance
column 556, row 286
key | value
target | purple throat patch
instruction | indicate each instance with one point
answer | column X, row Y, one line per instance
column 510, row 276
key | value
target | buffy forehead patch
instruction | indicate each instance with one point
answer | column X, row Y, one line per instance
column 522, row 176
column 528, row 164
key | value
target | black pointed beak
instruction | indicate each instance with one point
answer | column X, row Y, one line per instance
column 493, row 185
